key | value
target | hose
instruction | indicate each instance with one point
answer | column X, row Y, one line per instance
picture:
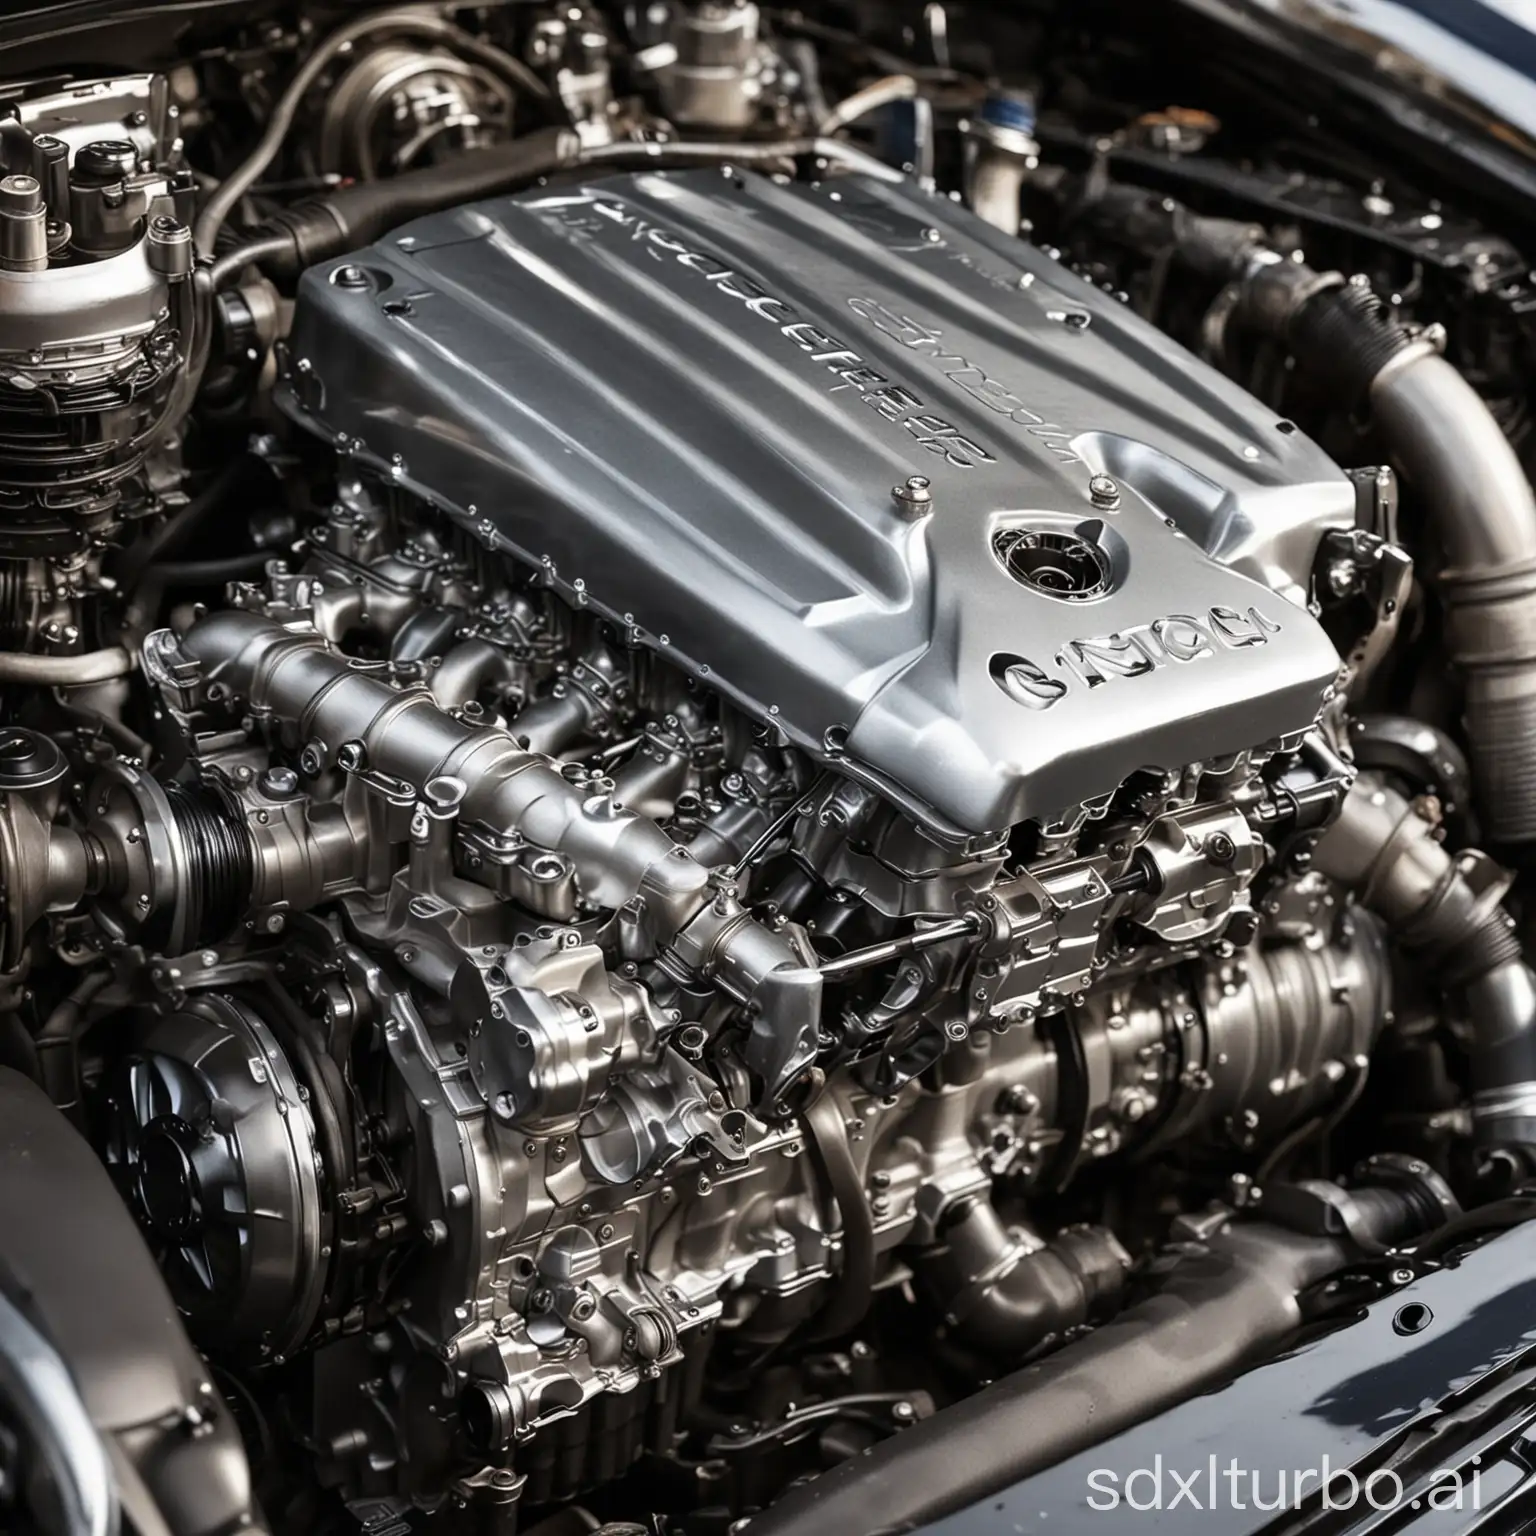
column 881, row 93
column 1452, row 451
column 319, row 228
column 250, row 253
column 207, row 573
column 1383, row 850
column 402, row 19
column 58, row 1040
column 834, row 1157
column 65, row 671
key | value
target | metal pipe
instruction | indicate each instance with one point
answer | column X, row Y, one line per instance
column 619, row 858
column 65, row 671
column 1000, row 153
column 1453, row 452
column 1449, row 448
column 881, row 93
column 1221, row 1308
column 1008, row 1294
column 468, row 668
column 681, row 152
column 897, row 949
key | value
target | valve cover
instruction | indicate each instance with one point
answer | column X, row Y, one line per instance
column 899, row 485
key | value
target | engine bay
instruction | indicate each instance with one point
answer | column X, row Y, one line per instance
column 720, row 723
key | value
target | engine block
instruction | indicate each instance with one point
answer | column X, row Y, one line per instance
column 727, row 847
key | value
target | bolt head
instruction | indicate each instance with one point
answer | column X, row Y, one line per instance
column 914, row 499
column 1103, row 491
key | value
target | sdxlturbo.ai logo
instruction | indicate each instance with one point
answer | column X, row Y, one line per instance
column 1161, row 1487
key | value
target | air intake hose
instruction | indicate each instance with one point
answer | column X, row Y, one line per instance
column 1436, row 906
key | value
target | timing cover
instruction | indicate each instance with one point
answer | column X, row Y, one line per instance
column 688, row 399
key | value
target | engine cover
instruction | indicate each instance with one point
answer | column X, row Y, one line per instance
column 689, row 397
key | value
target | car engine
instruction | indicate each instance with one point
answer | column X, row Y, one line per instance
column 685, row 771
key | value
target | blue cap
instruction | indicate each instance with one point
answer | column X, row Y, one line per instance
column 1009, row 109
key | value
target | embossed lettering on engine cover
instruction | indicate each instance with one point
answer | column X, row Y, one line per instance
column 1135, row 652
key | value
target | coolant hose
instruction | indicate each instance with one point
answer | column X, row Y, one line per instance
column 1385, row 851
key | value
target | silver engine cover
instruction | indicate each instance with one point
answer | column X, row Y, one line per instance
column 689, row 397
